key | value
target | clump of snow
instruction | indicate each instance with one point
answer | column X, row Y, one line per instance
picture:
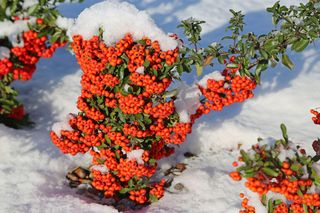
column 187, row 102
column 101, row 168
column 29, row 3
column 136, row 155
column 286, row 153
column 13, row 29
column 117, row 19
column 216, row 75
column 4, row 52
column 62, row 125
column 254, row 200
column 275, row 196
column 316, row 167
column 65, row 23
column 313, row 189
column 140, row 70
column 126, row 87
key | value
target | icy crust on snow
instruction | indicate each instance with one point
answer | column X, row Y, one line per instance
column 117, row 19
column 13, row 29
column 187, row 102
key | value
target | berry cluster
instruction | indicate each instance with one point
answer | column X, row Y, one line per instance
column 125, row 120
column 123, row 114
column 20, row 64
column 316, row 118
column 268, row 172
column 234, row 88
column 34, row 47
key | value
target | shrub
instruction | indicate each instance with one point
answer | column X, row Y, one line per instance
column 282, row 174
column 29, row 31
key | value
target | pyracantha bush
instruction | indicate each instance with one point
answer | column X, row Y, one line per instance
column 29, row 31
column 130, row 115
column 125, row 120
column 282, row 174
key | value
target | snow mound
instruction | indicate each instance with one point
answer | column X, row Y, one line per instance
column 117, row 19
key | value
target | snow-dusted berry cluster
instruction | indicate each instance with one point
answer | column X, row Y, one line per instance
column 28, row 33
column 285, row 178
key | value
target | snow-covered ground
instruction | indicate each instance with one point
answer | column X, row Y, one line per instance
column 32, row 170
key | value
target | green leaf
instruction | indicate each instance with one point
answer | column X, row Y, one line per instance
column 300, row 45
column 316, row 158
column 199, row 69
column 3, row 4
column 170, row 94
column 125, row 190
column 244, row 155
column 295, row 167
column 270, row 206
column 299, row 192
column 264, row 54
column 130, row 183
column 284, row 132
column 33, row 9
column 152, row 161
column 287, row 62
column 232, row 65
column 146, row 63
column 260, row 68
column 100, row 161
column 153, row 198
column 278, row 202
column 270, row 172
column 14, row 6
column 264, row 199
column 221, row 59
column 103, row 145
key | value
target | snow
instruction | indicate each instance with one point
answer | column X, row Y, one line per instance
column 116, row 20
column 4, row 52
column 136, row 155
column 187, row 102
column 32, row 169
column 101, row 168
column 140, row 70
column 64, row 22
column 12, row 29
column 215, row 75
column 284, row 154
column 62, row 125
column 29, row 3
